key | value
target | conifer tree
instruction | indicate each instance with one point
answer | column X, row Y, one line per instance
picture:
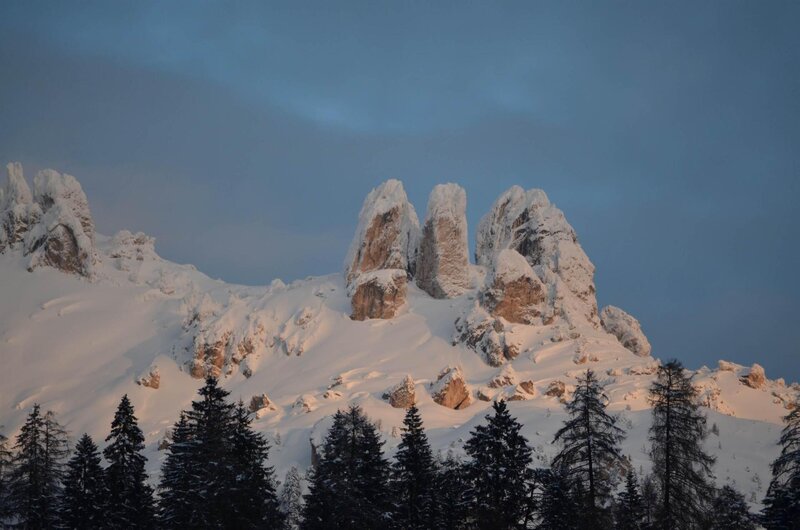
column 556, row 508
column 680, row 463
column 498, row 470
column 414, row 474
column 130, row 497
column 291, row 500
column 349, row 486
column 590, row 454
column 451, row 495
column 782, row 504
column 730, row 512
column 178, row 479
column 35, row 481
column 252, row 495
column 650, row 503
column 84, row 493
column 629, row 508
column 5, row 469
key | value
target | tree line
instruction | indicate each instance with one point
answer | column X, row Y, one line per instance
column 216, row 475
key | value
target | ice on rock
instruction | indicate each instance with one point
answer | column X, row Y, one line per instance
column 627, row 330
column 443, row 263
column 18, row 212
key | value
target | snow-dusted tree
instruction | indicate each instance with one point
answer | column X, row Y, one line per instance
column 414, row 474
column 451, row 496
column 349, row 488
column 590, row 454
column 629, row 509
column 291, row 500
column 252, row 494
column 680, row 463
column 130, row 497
column 555, row 507
column 176, row 496
column 782, row 504
column 730, row 512
column 84, row 494
column 5, row 469
column 39, row 454
column 499, row 470
column 650, row 500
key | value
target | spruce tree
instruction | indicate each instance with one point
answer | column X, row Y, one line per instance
column 680, row 463
column 650, row 500
column 451, row 495
column 35, row 481
column 498, row 470
column 252, row 495
column 130, row 497
column 629, row 508
column 730, row 511
column 84, row 493
column 556, row 509
column 414, row 474
column 5, row 469
column 291, row 500
column 178, row 479
column 782, row 504
column 349, row 487
column 590, row 454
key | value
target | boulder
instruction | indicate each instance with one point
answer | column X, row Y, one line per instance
column 260, row 401
column 757, row 378
column 556, row 389
column 627, row 330
column 152, row 379
column 450, row 389
column 402, row 395
column 527, row 222
column 64, row 235
column 442, row 268
column 378, row 294
column 18, row 212
column 506, row 377
column 387, row 235
column 513, row 291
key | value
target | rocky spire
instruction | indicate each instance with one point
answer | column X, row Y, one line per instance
column 18, row 212
column 443, row 264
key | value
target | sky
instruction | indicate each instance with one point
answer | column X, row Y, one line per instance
column 245, row 135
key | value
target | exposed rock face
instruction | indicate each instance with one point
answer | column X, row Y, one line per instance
column 513, row 291
column 402, row 395
column 556, row 389
column 525, row 221
column 757, row 378
column 627, row 330
column 64, row 236
column 506, row 377
column 383, row 253
column 152, row 379
column 18, row 212
column 378, row 294
column 260, row 402
column 443, row 265
column 486, row 335
column 450, row 389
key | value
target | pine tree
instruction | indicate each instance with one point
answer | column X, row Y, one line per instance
column 178, row 477
column 130, row 497
column 590, row 452
column 730, row 511
column 451, row 494
column 498, row 470
column 82, row 499
column 679, row 462
column 629, row 509
column 291, row 500
column 782, row 504
column 252, row 495
column 349, row 487
column 414, row 474
column 556, row 509
column 5, row 469
column 650, row 497
column 35, row 481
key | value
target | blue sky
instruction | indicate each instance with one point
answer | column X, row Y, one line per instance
column 244, row 136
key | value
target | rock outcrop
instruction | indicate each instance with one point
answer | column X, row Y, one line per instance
column 486, row 335
column 756, row 378
column 378, row 294
column 513, row 291
column 451, row 390
column 527, row 222
column 64, row 236
column 402, row 395
column 384, row 248
column 152, row 379
column 18, row 212
column 627, row 330
column 443, row 263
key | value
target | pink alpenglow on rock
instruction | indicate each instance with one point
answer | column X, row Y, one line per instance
column 443, row 264
column 513, row 291
column 627, row 330
column 378, row 294
column 451, row 390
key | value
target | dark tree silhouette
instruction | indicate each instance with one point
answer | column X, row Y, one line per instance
column 414, row 475
column 83, row 498
column 782, row 503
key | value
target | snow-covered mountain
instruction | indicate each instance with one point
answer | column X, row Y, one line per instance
column 85, row 318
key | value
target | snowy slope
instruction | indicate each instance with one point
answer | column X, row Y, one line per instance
column 76, row 346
